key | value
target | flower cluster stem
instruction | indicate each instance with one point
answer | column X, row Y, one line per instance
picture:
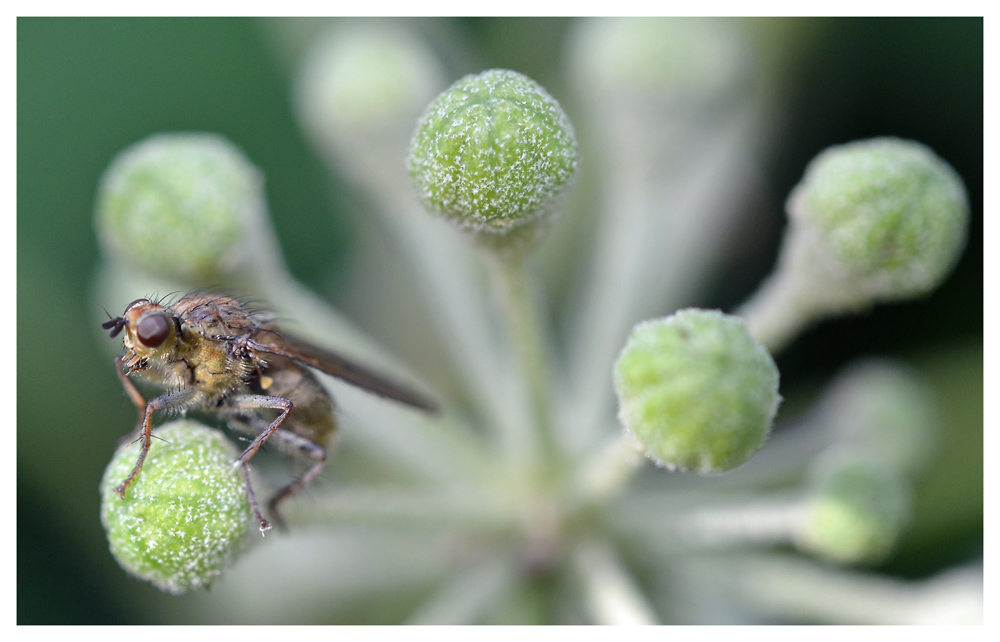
column 525, row 334
column 612, row 595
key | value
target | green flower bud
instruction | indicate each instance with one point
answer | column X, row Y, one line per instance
column 185, row 516
column 690, row 63
column 362, row 78
column 493, row 152
column 883, row 408
column 179, row 206
column 887, row 214
column 860, row 507
column 697, row 390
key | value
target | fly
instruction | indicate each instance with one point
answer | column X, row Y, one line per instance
column 210, row 352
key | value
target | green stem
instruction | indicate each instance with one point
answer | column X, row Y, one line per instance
column 606, row 473
column 525, row 334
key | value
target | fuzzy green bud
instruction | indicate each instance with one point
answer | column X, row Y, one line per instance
column 179, row 206
column 493, row 152
column 859, row 509
column 871, row 221
column 185, row 516
column 696, row 390
column 887, row 214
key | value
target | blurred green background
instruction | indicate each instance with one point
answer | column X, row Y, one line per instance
column 87, row 88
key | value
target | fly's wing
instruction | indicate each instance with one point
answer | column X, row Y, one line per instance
column 270, row 342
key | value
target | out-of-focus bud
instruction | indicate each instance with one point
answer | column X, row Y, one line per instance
column 859, row 508
column 697, row 390
column 181, row 206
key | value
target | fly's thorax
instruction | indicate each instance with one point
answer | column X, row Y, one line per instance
column 213, row 365
column 212, row 329
column 214, row 317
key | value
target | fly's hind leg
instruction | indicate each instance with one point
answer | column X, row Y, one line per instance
column 314, row 451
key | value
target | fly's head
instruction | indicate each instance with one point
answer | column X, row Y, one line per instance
column 150, row 333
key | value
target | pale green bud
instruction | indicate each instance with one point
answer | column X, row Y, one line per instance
column 886, row 214
column 871, row 221
column 691, row 63
column 696, row 390
column 179, row 206
column 859, row 509
column 363, row 78
column 883, row 408
column 186, row 516
column 493, row 152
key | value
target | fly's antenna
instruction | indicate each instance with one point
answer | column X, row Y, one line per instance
column 115, row 324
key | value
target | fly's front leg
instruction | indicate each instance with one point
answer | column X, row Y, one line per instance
column 302, row 445
column 172, row 400
column 133, row 394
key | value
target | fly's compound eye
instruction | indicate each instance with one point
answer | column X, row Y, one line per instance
column 153, row 330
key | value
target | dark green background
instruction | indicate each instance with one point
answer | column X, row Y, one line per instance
column 87, row 88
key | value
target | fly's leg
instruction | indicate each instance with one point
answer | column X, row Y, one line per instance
column 136, row 397
column 172, row 400
column 264, row 524
column 259, row 426
column 290, row 442
column 130, row 388
column 255, row 402
column 312, row 450
column 242, row 404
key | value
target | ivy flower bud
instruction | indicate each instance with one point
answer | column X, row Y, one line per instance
column 492, row 153
column 871, row 221
column 363, row 85
column 179, row 206
column 186, row 515
column 860, row 507
column 697, row 390
column 882, row 408
column 887, row 215
column 695, row 65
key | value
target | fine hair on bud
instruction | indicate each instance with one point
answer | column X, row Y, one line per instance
column 887, row 214
column 186, row 516
column 492, row 153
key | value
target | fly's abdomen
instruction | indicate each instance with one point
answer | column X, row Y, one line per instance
column 312, row 416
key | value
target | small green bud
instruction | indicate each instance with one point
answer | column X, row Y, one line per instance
column 185, row 516
column 860, row 507
column 697, row 390
column 886, row 213
column 179, row 206
column 883, row 408
column 492, row 153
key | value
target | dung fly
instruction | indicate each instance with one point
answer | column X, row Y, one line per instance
column 213, row 353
